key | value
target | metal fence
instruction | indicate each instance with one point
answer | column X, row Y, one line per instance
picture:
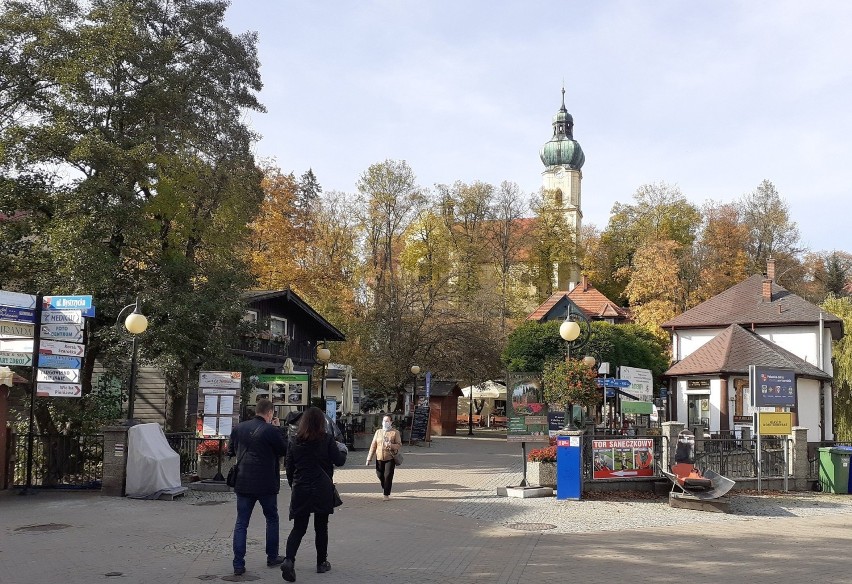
column 737, row 458
column 190, row 447
column 60, row 461
column 813, row 455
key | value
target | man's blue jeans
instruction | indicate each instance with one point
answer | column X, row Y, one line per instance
column 245, row 505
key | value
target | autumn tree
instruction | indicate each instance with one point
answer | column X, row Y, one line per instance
column 655, row 289
column 771, row 232
column 720, row 251
column 554, row 244
column 659, row 212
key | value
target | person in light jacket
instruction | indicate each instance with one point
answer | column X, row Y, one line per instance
column 386, row 444
column 311, row 457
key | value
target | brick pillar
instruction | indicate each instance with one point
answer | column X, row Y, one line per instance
column 670, row 430
column 799, row 465
column 115, row 460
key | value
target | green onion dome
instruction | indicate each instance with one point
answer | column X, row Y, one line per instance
column 562, row 149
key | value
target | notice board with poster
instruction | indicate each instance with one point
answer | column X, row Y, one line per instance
column 525, row 410
column 420, row 424
column 219, row 401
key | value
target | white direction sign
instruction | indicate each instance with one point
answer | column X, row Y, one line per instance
column 62, row 332
column 17, row 299
column 16, row 346
column 62, row 317
column 61, row 348
column 220, row 379
column 58, row 375
column 59, row 389
column 15, row 330
column 19, row 359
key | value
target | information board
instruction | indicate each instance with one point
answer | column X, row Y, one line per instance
column 420, row 424
column 525, row 410
column 623, row 458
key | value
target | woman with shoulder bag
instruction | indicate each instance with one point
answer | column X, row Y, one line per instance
column 386, row 445
column 311, row 458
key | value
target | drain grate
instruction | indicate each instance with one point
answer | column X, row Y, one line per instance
column 113, row 574
column 205, row 503
column 42, row 528
column 531, row 526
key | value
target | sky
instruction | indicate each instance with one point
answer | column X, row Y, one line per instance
column 713, row 97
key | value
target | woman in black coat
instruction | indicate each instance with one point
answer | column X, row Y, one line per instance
column 311, row 457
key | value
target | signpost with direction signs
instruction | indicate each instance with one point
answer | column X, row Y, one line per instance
column 59, row 390
column 15, row 330
column 61, row 317
column 13, row 314
column 61, row 348
column 17, row 300
column 63, row 332
column 18, row 359
column 58, row 375
column 16, row 346
column 59, row 362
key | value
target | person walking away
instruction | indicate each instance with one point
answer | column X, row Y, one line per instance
column 258, row 445
column 385, row 446
column 311, row 457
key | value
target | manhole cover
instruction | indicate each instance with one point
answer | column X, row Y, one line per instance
column 203, row 503
column 531, row 526
column 111, row 574
column 43, row 527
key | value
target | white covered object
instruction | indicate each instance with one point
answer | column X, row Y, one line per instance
column 153, row 467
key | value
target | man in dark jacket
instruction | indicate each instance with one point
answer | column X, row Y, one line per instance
column 258, row 444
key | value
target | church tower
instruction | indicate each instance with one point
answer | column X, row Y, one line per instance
column 563, row 158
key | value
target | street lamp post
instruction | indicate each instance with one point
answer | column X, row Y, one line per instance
column 323, row 356
column 415, row 371
column 136, row 323
column 576, row 335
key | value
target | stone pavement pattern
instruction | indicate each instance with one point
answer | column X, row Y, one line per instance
column 443, row 524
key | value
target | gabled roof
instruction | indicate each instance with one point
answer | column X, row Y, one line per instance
column 732, row 352
column 287, row 295
column 594, row 304
column 743, row 304
column 585, row 298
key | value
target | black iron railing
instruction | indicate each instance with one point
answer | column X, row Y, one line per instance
column 60, row 461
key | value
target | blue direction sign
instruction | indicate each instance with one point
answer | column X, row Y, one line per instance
column 612, row 382
column 16, row 299
column 66, row 302
column 11, row 313
column 59, row 362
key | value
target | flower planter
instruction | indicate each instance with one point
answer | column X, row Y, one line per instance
column 208, row 465
column 542, row 474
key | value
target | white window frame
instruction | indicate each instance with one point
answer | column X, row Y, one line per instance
column 250, row 316
column 278, row 319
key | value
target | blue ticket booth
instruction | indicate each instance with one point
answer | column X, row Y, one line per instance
column 569, row 467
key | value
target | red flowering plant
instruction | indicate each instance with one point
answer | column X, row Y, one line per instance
column 212, row 447
column 569, row 381
column 546, row 454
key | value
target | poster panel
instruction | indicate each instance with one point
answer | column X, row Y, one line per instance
column 623, row 458
column 524, row 407
column 773, row 387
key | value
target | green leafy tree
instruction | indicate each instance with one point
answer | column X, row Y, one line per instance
column 842, row 365
column 123, row 149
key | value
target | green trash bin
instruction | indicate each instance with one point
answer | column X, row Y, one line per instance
column 834, row 469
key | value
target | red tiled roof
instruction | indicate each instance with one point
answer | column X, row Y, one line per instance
column 587, row 298
column 743, row 304
column 732, row 352
column 539, row 313
column 594, row 304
